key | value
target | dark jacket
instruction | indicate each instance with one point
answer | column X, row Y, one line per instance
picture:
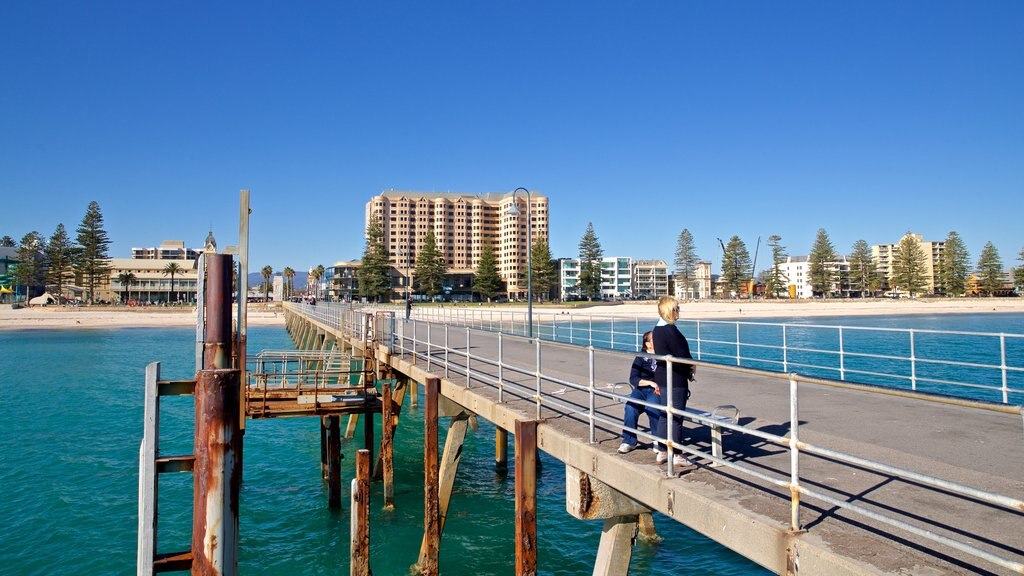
column 641, row 370
column 669, row 341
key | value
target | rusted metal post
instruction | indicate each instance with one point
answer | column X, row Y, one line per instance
column 368, row 423
column 217, row 473
column 431, row 500
column 501, row 450
column 218, row 311
column 360, row 529
column 387, row 434
column 323, row 447
column 526, row 497
column 333, row 461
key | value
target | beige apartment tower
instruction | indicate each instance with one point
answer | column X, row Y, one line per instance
column 884, row 256
column 462, row 224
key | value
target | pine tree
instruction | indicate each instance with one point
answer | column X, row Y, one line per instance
column 908, row 271
column 735, row 265
column 7, row 242
column 821, row 268
column 775, row 280
column 990, row 270
column 1018, row 272
column 544, row 277
column 862, row 268
column 375, row 269
column 954, row 266
column 685, row 262
column 488, row 282
column 60, row 254
column 431, row 267
column 30, row 254
column 590, row 264
column 92, row 263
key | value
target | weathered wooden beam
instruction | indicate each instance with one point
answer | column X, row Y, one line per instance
column 397, row 398
column 450, row 460
column 217, row 475
column 428, row 565
column 616, row 547
column 500, row 450
column 526, row 497
column 360, row 534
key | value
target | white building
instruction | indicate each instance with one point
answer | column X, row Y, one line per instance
column 616, row 277
column 701, row 284
column 796, row 274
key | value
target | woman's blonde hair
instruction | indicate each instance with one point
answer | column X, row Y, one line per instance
column 666, row 305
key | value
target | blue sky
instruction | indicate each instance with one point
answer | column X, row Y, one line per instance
column 727, row 118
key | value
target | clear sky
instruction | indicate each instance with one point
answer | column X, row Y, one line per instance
column 866, row 118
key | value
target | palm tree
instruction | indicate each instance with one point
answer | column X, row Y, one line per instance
column 267, row 272
column 172, row 268
column 126, row 279
column 289, row 276
column 319, row 270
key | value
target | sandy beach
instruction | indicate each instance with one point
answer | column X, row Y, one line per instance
column 259, row 315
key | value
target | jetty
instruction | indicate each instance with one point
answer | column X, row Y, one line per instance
column 799, row 474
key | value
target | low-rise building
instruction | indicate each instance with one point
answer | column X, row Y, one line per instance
column 796, row 274
column 650, row 279
column 616, row 278
column 700, row 285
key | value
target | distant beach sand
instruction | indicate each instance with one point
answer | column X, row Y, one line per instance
column 56, row 317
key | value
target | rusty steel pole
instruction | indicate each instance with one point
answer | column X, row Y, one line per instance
column 387, row 428
column 526, row 497
column 218, row 311
column 431, row 472
column 217, row 473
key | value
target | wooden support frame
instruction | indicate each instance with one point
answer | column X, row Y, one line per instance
column 431, row 515
column 331, row 429
column 360, row 530
column 616, row 547
column 526, row 497
column 387, row 433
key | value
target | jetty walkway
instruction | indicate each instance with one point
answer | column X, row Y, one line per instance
column 815, row 476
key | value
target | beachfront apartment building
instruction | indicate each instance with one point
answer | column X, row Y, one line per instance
column 344, row 285
column 650, row 279
column 462, row 225
column 169, row 250
column 152, row 281
column 700, row 285
column 884, row 256
column 796, row 274
column 616, row 278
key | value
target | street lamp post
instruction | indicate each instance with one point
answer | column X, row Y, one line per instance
column 514, row 211
column 407, row 254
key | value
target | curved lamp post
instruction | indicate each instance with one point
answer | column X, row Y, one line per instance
column 513, row 210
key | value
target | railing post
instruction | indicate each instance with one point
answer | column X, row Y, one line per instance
column 698, row 339
column 794, row 455
column 468, row 359
column 842, row 358
column 571, row 341
column 590, row 330
column 430, row 352
column 785, row 351
column 737, row 343
column 670, row 417
column 1002, row 366
column 590, row 392
column 537, row 372
column 913, row 363
column 613, row 334
column 501, row 368
column 636, row 331
column 446, row 348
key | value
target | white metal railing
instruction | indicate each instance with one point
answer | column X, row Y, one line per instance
column 406, row 340
column 909, row 369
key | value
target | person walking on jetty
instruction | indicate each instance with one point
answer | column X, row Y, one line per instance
column 641, row 377
column 669, row 341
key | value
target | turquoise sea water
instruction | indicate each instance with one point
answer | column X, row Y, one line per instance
column 69, row 442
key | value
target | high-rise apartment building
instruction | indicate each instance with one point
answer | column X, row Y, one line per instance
column 462, row 225
column 884, row 256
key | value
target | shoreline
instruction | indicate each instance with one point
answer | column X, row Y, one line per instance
column 52, row 317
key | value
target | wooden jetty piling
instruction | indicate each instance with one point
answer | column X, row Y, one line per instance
column 217, row 473
column 387, row 429
column 431, row 506
column 331, row 451
column 359, row 531
column 526, row 497
column 500, row 450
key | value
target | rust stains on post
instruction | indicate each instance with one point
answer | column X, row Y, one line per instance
column 217, row 473
column 218, row 311
column 360, row 546
column 431, row 502
column 387, row 426
column 526, row 497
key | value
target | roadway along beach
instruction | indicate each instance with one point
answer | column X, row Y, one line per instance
column 56, row 317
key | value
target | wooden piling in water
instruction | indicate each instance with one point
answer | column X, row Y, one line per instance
column 217, row 473
column 387, row 426
column 526, row 497
column 333, row 437
column 360, row 528
column 501, row 450
column 431, row 506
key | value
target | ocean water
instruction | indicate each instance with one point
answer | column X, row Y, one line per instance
column 69, row 441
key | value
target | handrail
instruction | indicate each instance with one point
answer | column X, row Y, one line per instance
column 412, row 344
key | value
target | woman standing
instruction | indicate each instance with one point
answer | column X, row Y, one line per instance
column 668, row 341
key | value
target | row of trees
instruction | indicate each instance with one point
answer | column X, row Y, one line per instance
column 909, row 267
column 59, row 261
